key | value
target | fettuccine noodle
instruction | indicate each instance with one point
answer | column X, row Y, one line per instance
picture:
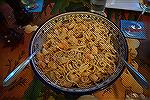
column 78, row 53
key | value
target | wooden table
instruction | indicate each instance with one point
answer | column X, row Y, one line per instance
column 28, row 86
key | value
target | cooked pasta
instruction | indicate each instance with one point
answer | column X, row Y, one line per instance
column 78, row 53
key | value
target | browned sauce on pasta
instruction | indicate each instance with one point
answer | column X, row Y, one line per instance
column 78, row 53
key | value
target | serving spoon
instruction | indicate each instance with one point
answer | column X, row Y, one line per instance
column 136, row 75
column 12, row 76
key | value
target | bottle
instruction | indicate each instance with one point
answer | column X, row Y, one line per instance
column 98, row 6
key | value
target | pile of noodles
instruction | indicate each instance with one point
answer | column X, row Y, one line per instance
column 78, row 53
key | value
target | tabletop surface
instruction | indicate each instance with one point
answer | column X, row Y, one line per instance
column 28, row 86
